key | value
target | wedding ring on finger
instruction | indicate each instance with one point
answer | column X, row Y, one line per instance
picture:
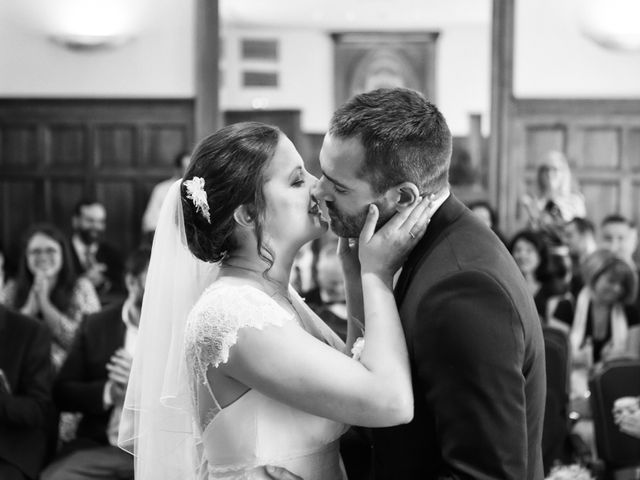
column 411, row 234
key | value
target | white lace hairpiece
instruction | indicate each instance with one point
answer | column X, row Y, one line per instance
column 196, row 193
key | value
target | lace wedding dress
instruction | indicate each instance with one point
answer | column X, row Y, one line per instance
column 254, row 430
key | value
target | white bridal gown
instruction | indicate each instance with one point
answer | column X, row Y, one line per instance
column 255, row 430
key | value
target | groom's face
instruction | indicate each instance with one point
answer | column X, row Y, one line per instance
column 342, row 191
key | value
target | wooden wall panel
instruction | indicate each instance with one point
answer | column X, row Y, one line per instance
column 601, row 139
column 542, row 138
column 119, row 196
column 115, row 145
column 68, row 145
column 602, row 198
column 633, row 149
column 635, row 189
column 21, row 206
column 159, row 147
column 19, row 144
column 600, row 148
column 54, row 151
column 62, row 196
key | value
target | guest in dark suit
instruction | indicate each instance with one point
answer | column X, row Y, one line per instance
column 474, row 338
column 25, row 395
column 93, row 381
column 95, row 258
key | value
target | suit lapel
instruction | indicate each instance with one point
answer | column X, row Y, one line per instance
column 448, row 212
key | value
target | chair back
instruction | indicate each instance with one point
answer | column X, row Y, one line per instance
column 620, row 378
column 556, row 419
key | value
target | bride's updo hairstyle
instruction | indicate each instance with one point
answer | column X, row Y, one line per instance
column 232, row 162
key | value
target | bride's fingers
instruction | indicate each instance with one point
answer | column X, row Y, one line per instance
column 419, row 218
column 369, row 227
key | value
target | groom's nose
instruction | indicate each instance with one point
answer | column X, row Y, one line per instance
column 320, row 190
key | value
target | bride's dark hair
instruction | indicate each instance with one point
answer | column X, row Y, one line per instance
column 232, row 162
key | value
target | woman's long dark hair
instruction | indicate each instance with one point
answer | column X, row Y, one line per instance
column 232, row 162
column 534, row 238
column 60, row 294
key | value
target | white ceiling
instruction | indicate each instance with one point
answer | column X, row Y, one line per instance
column 355, row 14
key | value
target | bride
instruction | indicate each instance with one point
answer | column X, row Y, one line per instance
column 233, row 371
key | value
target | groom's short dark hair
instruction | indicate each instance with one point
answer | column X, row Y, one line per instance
column 405, row 138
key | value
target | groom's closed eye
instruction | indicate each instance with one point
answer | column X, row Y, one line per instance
column 337, row 186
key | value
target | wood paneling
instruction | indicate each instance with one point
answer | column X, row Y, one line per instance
column 601, row 139
column 115, row 145
column 600, row 148
column 68, row 145
column 159, row 143
column 541, row 139
column 633, row 149
column 19, row 144
column 120, row 196
column 53, row 152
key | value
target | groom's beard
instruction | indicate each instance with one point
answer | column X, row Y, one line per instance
column 350, row 226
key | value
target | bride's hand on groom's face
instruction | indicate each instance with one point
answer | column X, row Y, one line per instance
column 383, row 252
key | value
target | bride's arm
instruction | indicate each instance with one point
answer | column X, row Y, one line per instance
column 348, row 254
column 293, row 367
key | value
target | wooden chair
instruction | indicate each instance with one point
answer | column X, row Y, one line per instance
column 619, row 452
column 556, row 418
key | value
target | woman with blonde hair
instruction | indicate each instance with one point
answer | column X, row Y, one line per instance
column 557, row 199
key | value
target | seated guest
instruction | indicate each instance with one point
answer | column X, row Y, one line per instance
column 96, row 259
column 485, row 212
column 557, row 199
column 604, row 324
column 25, row 395
column 47, row 287
column 532, row 257
column 626, row 414
column 580, row 237
column 619, row 235
column 93, row 381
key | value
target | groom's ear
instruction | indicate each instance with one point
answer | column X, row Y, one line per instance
column 403, row 195
column 243, row 217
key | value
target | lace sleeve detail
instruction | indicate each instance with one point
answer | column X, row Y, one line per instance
column 213, row 324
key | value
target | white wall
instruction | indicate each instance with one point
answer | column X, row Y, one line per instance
column 554, row 60
column 463, row 75
column 306, row 69
column 158, row 63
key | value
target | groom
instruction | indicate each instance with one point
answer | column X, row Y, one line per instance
column 474, row 338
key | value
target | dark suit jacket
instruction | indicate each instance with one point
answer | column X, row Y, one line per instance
column 25, row 358
column 114, row 288
column 477, row 359
column 79, row 386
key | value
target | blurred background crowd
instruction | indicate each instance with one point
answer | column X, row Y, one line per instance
column 101, row 103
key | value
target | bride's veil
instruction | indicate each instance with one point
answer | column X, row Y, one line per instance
column 157, row 425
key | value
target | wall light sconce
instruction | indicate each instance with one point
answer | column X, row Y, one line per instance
column 612, row 24
column 87, row 25
column 85, row 42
